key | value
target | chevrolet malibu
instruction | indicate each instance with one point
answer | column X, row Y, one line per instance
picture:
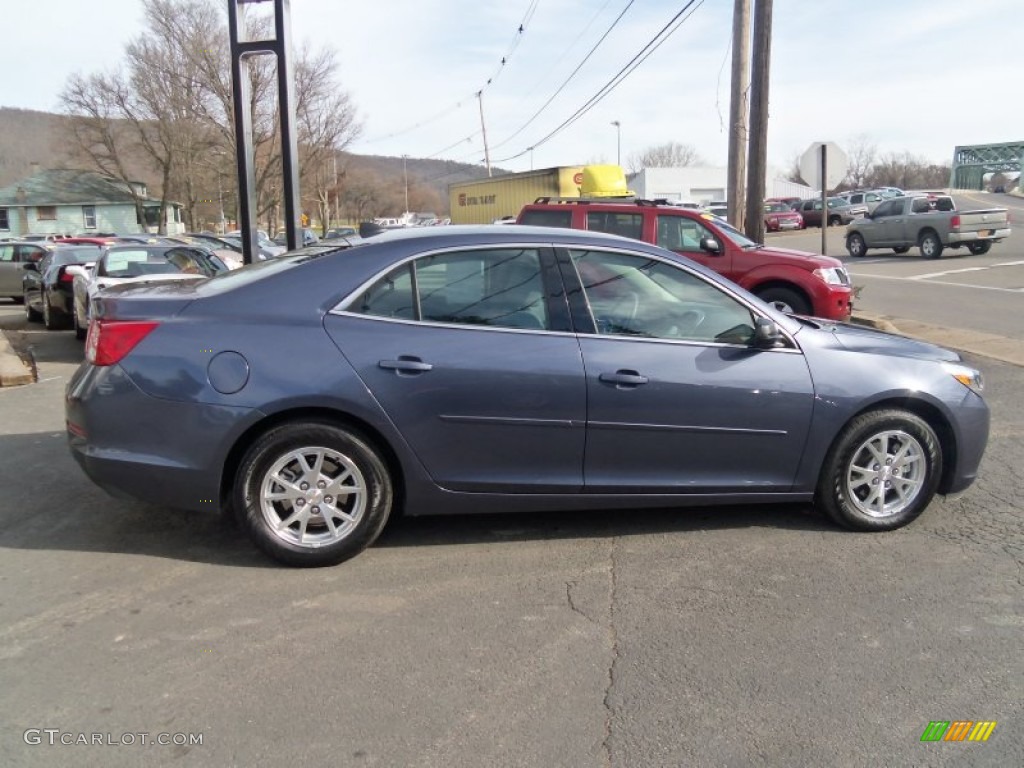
column 471, row 369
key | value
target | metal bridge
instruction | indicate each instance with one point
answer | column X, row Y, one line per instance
column 971, row 163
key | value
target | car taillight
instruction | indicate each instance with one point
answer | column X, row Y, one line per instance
column 65, row 277
column 110, row 340
column 954, row 222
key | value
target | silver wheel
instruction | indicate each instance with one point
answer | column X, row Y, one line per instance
column 313, row 496
column 886, row 474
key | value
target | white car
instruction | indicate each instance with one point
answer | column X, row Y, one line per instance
column 134, row 264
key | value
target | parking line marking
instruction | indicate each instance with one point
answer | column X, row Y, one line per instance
column 948, row 272
column 1009, row 264
column 939, row 282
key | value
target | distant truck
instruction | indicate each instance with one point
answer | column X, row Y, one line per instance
column 929, row 222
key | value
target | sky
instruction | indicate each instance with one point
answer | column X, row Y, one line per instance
column 920, row 76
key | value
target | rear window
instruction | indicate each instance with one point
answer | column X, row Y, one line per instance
column 626, row 224
column 548, row 218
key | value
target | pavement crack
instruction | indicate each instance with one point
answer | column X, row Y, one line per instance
column 571, row 600
column 613, row 641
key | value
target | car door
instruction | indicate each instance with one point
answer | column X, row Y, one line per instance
column 889, row 222
column 811, row 210
column 471, row 355
column 10, row 271
column 678, row 399
column 682, row 234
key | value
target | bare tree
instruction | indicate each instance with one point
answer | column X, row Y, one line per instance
column 173, row 102
column 670, row 155
column 861, row 154
column 95, row 132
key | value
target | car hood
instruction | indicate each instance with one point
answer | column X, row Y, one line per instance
column 858, row 338
column 802, row 258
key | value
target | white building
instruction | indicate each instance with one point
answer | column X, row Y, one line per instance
column 705, row 184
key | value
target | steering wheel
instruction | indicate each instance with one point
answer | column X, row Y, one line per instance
column 679, row 326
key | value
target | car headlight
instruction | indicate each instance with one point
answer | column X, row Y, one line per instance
column 833, row 275
column 969, row 377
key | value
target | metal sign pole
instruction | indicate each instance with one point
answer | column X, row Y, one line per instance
column 824, row 196
column 241, row 50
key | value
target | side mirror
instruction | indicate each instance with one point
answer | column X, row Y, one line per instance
column 31, row 266
column 766, row 334
column 710, row 244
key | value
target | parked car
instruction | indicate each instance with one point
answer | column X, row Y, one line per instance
column 868, row 198
column 889, row 192
column 930, row 222
column 333, row 234
column 13, row 255
column 269, row 249
column 839, row 211
column 793, row 281
column 137, row 263
column 309, row 237
column 789, row 201
column 468, row 369
column 779, row 217
column 47, row 284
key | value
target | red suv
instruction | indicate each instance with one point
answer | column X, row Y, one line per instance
column 793, row 281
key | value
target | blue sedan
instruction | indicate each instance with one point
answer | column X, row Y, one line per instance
column 469, row 369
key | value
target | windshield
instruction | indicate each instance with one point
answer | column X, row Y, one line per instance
column 139, row 262
column 775, row 207
column 835, row 202
column 737, row 237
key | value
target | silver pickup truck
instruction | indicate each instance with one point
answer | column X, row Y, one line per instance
column 930, row 222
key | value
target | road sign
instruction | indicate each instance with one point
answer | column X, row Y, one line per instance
column 835, row 160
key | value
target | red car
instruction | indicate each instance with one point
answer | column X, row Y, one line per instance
column 778, row 217
column 792, row 281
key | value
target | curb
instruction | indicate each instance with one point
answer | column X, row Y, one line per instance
column 13, row 371
column 991, row 345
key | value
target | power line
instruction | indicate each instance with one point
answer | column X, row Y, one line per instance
column 652, row 45
column 572, row 74
column 516, row 38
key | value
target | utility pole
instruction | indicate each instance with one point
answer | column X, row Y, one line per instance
column 483, row 130
column 737, row 182
column 618, row 142
column 758, row 143
column 405, row 173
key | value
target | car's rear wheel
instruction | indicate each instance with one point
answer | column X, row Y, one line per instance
column 80, row 332
column 900, row 248
column 979, row 248
column 18, row 299
column 834, row 221
column 930, row 245
column 881, row 472
column 312, row 493
column 51, row 319
column 785, row 300
column 856, row 246
column 31, row 315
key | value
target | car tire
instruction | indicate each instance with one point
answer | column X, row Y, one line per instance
column 980, row 248
column 930, row 245
column 31, row 315
column 856, row 246
column 283, row 492
column 785, row 300
column 835, row 221
column 853, row 471
column 901, row 249
column 18, row 299
column 80, row 332
column 50, row 318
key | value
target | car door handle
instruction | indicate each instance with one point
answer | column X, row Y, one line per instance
column 623, row 379
column 406, row 364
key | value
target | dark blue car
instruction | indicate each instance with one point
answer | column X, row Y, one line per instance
column 466, row 369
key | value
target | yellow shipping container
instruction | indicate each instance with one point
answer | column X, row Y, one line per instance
column 484, row 201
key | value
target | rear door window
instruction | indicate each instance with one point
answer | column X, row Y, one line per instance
column 629, row 225
column 541, row 218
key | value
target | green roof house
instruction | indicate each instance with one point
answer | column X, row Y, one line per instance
column 73, row 202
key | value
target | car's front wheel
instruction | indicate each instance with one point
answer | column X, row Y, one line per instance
column 856, row 246
column 785, row 300
column 313, row 493
column 881, row 472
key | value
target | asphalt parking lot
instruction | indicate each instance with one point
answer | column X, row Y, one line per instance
column 739, row 636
